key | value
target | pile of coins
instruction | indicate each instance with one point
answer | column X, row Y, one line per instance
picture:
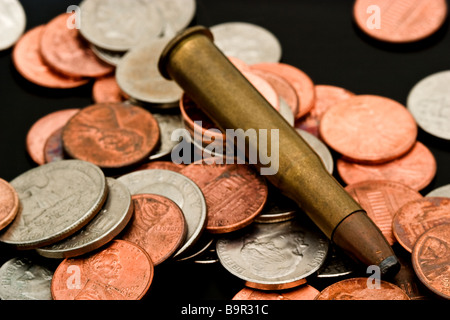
column 109, row 203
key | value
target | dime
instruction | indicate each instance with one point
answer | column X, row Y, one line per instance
column 178, row 188
column 443, row 191
column 304, row 292
column 111, row 135
column 107, row 224
column 249, row 42
column 9, row 203
column 56, row 200
column 416, row 169
column 25, row 279
column 13, row 22
column 428, row 102
column 417, row 216
column 167, row 123
column 359, row 289
column 158, row 226
column 120, row 271
column 320, row 148
column 430, row 259
column 235, row 194
column 274, row 256
column 399, row 21
column 369, row 129
column 381, row 199
column 106, row 90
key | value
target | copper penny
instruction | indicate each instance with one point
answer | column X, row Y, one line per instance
column 9, row 203
column 106, row 90
column 399, row 21
column 431, row 259
column 65, row 51
column 157, row 225
column 42, row 129
column 418, row 216
column 111, row 135
column 416, row 169
column 326, row 97
column 369, row 129
column 304, row 292
column 28, row 62
column 381, row 200
column 54, row 149
column 301, row 82
column 163, row 165
column 362, row 289
column 235, row 194
column 119, row 271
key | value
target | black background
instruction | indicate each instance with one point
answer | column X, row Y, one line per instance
column 317, row 36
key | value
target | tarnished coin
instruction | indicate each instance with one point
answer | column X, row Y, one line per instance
column 248, row 42
column 320, row 148
column 25, row 279
column 111, row 135
column 274, row 256
column 178, row 188
column 158, row 226
column 428, row 102
column 362, row 289
column 430, row 259
column 304, row 292
column 13, row 22
column 106, row 90
column 167, row 123
column 120, row 271
column 417, row 216
column 56, row 200
column 443, row 191
column 54, row 149
column 107, row 224
column 9, row 203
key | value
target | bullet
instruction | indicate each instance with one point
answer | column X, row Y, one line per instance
column 229, row 99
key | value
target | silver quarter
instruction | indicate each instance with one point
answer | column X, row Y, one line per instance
column 429, row 103
column 177, row 14
column 111, row 57
column 178, row 188
column 13, row 22
column 108, row 223
column 320, row 148
column 23, row 279
column 248, row 42
column 57, row 199
column 168, row 123
column 443, row 191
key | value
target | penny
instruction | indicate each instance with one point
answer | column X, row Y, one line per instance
column 381, row 199
column 56, row 200
column 105, row 226
column 120, row 271
column 359, row 289
column 111, row 135
column 28, row 62
column 249, row 42
column 158, row 226
column 416, row 169
column 53, row 149
column 164, row 165
column 430, row 259
column 304, row 292
column 443, row 191
column 13, row 22
column 326, row 97
column 167, row 124
column 9, row 203
column 66, row 52
column 264, row 87
column 274, row 256
column 235, row 194
column 25, row 279
column 399, row 21
column 369, row 129
column 320, row 148
column 41, row 131
column 119, row 26
column 428, row 103
column 178, row 188
column 106, row 90
column 302, row 83
column 416, row 217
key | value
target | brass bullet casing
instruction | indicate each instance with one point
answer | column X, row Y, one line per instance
column 227, row 97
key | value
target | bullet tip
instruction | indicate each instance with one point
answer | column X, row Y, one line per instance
column 390, row 266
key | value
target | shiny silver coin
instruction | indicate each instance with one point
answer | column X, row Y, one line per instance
column 443, row 191
column 178, row 188
column 24, row 279
column 108, row 223
column 13, row 22
column 275, row 255
column 177, row 14
column 337, row 264
column 57, row 199
column 119, row 25
column 111, row 57
column 248, row 42
column 429, row 104
column 205, row 243
column 320, row 148
column 168, row 123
